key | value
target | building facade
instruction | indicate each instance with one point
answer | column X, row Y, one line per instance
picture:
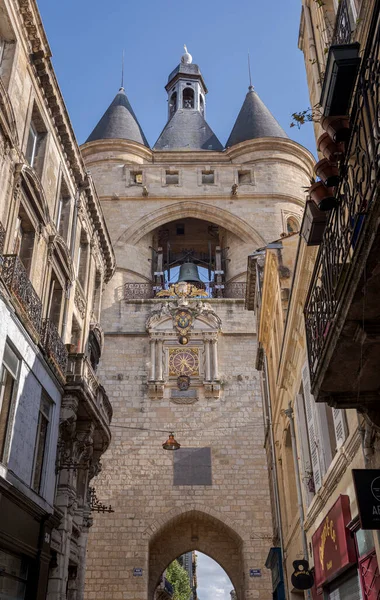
column 314, row 297
column 56, row 256
column 179, row 352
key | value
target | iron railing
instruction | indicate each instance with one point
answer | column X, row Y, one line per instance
column 79, row 370
column 2, row 237
column 357, row 194
column 343, row 28
column 17, row 281
column 55, row 348
column 146, row 291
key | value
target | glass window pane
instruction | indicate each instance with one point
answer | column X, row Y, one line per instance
column 365, row 541
column 6, row 393
column 11, row 360
column 40, row 451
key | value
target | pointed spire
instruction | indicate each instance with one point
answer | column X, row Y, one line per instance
column 119, row 121
column 254, row 121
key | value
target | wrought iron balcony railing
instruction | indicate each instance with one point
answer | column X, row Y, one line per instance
column 343, row 243
column 55, row 348
column 79, row 371
column 2, row 237
column 146, row 291
column 343, row 25
column 28, row 302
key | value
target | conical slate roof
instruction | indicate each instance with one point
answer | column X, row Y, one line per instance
column 187, row 130
column 254, row 121
column 119, row 122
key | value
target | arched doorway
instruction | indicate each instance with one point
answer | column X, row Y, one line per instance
column 196, row 530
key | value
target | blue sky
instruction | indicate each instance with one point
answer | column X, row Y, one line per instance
column 87, row 38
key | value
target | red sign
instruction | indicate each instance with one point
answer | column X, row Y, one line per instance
column 333, row 546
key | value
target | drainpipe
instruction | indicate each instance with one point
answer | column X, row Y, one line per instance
column 289, row 413
column 275, row 477
column 312, row 46
column 72, row 249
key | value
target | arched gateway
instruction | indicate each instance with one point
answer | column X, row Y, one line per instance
column 179, row 347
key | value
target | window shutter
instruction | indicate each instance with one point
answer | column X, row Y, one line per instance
column 304, row 446
column 312, row 427
column 340, row 426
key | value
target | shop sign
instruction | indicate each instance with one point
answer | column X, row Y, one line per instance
column 367, row 488
column 333, row 547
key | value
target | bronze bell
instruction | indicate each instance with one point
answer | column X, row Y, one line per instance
column 189, row 272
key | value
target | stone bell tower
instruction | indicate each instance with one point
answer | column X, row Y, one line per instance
column 180, row 348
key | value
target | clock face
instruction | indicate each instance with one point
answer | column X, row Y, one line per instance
column 183, row 362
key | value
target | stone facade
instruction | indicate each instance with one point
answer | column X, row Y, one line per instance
column 221, row 507
column 56, row 257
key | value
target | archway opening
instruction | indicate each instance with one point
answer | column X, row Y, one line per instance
column 192, row 576
column 204, row 533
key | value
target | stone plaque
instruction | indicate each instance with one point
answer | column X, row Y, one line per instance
column 192, row 466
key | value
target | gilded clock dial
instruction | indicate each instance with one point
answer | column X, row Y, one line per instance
column 184, row 362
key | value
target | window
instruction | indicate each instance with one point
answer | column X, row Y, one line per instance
column 63, row 214
column 14, row 573
column 82, row 263
column 36, row 145
column 172, row 177
column 244, row 177
column 188, row 98
column 7, row 52
column 208, row 177
column 172, row 104
column 136, row 177
column 8, row 383
column 40, row 445
column 180, row 229
column 292, row 225
column 55, row 302
column 24, row 239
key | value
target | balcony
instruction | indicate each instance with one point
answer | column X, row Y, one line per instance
column 341, row 313
column 28, row 303
column 146, row 291
column 55, row 349
column 80, row 375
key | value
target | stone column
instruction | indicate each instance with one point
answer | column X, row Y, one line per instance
column 152, row 375
column 215, row 373
column 208, row 360
column 159, row 360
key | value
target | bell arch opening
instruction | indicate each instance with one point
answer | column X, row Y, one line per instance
column 195, row 530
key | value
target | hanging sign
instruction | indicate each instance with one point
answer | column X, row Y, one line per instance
column 367, row 489
column 302, row 578
column 137, row 572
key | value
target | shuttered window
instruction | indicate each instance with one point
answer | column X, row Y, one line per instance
column 347, row 590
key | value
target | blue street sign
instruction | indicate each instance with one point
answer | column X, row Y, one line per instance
column 137, row 572
column 255, row 572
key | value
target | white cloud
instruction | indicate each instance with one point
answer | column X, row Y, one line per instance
column 213, row 582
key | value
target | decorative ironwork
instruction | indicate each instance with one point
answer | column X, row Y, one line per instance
column 79, row 369
column 95, row 504
column 79, row 301
column 55, row 348
column 2, row 237
column 17, row 281
column 357, row 193
column 138, row 291
column 343, row 30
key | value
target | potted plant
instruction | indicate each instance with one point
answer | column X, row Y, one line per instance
column 327, row 172
column 322, row 196
column 330, row 150
column 338, row 128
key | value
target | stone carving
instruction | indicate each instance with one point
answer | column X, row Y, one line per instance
column 80, row 302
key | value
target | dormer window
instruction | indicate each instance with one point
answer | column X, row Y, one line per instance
column 172, row 104
column 188, row 98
